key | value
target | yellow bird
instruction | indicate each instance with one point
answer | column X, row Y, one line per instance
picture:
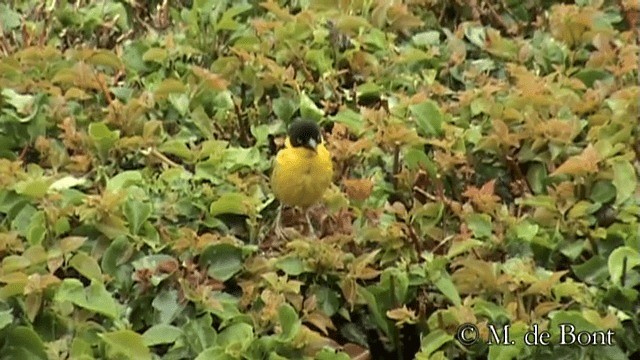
column 302, row 170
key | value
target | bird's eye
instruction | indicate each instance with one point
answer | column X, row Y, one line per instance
column 300, row 140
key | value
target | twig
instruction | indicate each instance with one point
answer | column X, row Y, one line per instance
column 414, row 239
column 243, row 124
column 396, row 304
column 396, row 165
column 496, row 17
column 631, row 17
column 623, row 276
column 161, row 157
column 516, row 169
column 23, row 153
column 424, row 193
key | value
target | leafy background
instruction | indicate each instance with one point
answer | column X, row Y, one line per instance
column 486, row 156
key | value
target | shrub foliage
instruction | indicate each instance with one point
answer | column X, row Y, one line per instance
column 486, row 157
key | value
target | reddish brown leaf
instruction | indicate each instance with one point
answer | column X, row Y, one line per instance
column 212, row 80
column 584, row 163
column 483, row 198
column 358, row 189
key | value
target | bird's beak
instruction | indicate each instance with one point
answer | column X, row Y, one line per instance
column 312, row 144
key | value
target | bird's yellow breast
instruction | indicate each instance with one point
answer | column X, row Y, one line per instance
column 300, row 176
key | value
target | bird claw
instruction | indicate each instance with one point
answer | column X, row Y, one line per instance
column 279, row 231
column 287, row 233
column 312, row 231
column 277, row 225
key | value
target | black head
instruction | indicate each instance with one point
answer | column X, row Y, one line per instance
column 305, row 133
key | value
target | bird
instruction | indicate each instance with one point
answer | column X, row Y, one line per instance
column 302, row 170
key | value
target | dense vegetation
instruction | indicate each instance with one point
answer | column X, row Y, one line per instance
column 486, row 156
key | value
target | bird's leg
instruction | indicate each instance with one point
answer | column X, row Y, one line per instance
column 277, row 229
column 311, row 229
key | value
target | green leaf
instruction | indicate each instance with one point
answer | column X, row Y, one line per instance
column 351, row 119
column 330, row 354
column 22, row 343
column 230, row 203
column 167, row 305
column 127, row 343
column 426, row 39
column 202, row 121
column 67, row 182
column 118, row 253
column 9, row 18
column 543, row 201
column 328, row 300
column 460, row 247
column 227, row 22
column 103, row 138
column 22, row 220
column 13, row 263
column 573, row 317
column 289, row 322
column 34, row 188
column 291, row 265
column 616, row 261
column 582, row 209
column 214, row 353
column 309, row 110
column 236, row 158
column 479, row 224
column 6, row 318
column 37, row 229
column 87, row 266
column 509, row 352
column 151, row 263
column 176, row 147
column 158, row 55
column 161, row 334
column 169, row 86
column 589, row 76
column 375, row 309
column 572, row 249
column 124, row 180
column 368, row 90
column 354, row 333
column 240, row 334
column 22, row 103
column 433, row 341
column 428, row 118
column 223, row 261
column 536, row 176
column 71, row 243
column 446, row 286
column 416, row 158
column 319, row 60
column 81, row 350
column 526, row 230
column 495, row 313
column 180, row 102
column 94, row 298
column 593, row 271
column 625, row 180
column 475, row 34
column 199, row 333
column 137, row 213
column 602, row 192
column 284, row 108
column 106, row 58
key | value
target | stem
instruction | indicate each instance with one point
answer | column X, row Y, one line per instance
column 623, row 276
column 396, row 165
